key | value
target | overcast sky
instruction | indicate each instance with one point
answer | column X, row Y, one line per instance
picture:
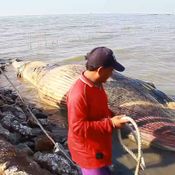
column 39, row 7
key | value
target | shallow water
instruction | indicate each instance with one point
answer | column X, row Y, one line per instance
column 143, row 43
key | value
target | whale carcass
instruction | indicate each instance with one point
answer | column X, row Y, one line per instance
column 152, row 109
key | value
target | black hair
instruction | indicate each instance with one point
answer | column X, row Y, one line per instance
column 90, row 67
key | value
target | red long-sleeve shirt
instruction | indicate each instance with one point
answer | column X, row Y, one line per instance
column 90, row 127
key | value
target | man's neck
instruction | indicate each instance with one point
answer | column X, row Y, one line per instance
column 91, row 75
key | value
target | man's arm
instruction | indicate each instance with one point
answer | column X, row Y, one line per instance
column 78, row 119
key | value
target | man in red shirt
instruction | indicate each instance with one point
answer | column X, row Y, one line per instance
column 90, row 120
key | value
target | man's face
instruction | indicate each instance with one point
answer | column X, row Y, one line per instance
column 104, row 74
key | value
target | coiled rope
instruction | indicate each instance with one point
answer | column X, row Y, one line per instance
column 137, row 136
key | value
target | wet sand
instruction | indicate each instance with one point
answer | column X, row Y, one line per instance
column 158, row 161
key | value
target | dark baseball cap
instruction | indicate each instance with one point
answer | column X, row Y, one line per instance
column 103, row 56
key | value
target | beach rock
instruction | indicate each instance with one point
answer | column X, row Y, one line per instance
column 36, row 132
column 6, row 92
column 24, row 148
column 14, row 171
column 14, row 138
column 9, row 100
column 9, row 122
column 33, row 123
column 14, row 162
column 15, row 110
column 7, row 108
column 59, row 133
column 8, row 117
column 39, row 114
column 3, row 68
column 19, row 102
column 56, row 163
column 21, row 118
column 14, row 123
column 30, row 144
column 13, row 96
column 18, row 112
column 22, row 129
column 1, row 102
column 4, row 132
column 42, row 143
column 2, row 97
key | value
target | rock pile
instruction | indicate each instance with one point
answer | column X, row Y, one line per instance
column 24, row 149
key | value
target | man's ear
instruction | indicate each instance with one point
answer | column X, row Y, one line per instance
column 100, row 70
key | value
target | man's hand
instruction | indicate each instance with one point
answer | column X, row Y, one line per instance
column 118, row 121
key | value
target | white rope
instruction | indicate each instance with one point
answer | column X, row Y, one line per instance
column 57, row 146
column 139, row 158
